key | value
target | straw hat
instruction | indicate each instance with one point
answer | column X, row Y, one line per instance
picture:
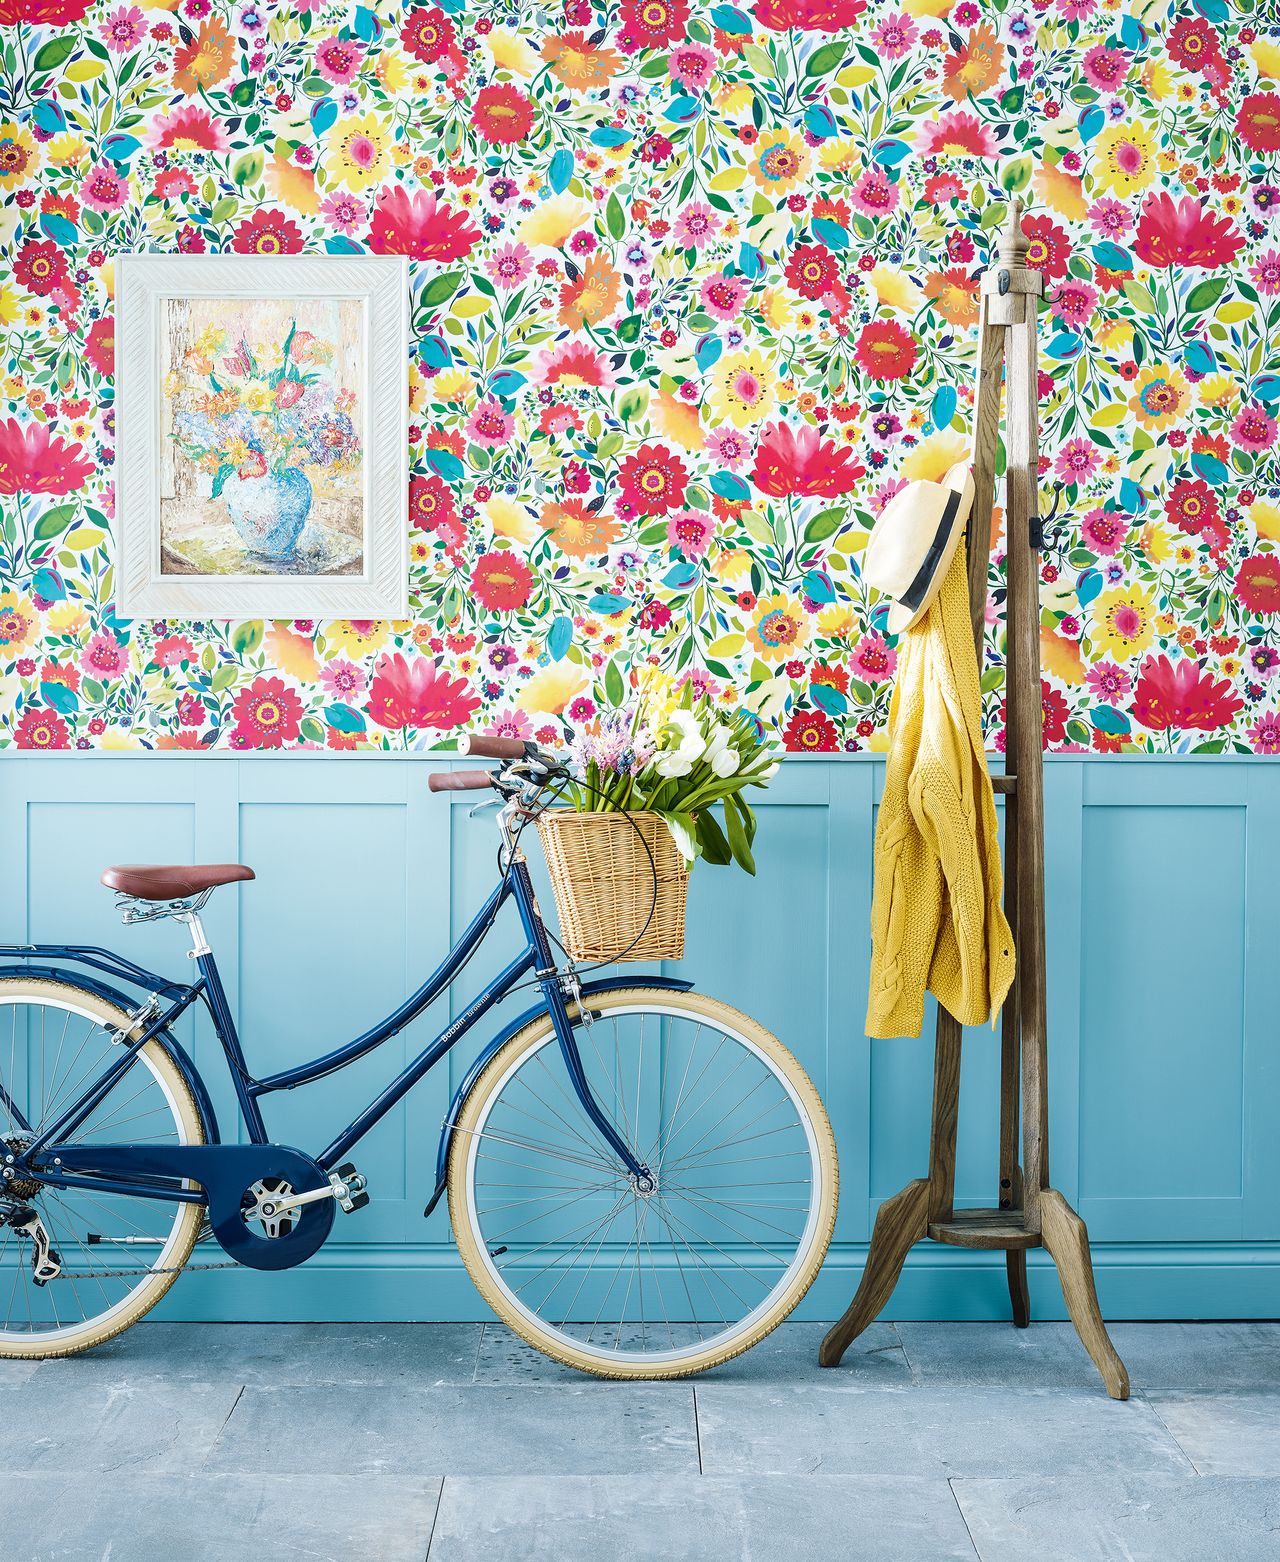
column 914, row 541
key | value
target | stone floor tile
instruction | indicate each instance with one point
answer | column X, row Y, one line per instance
column 996, row 1355
column 699, row 1519
column 1200, row 1355
column 1224, row 1434
column 1137, row 1518
column 943, row 1431
column 480, row 1430
column 415, row 1354
column 216, row 1518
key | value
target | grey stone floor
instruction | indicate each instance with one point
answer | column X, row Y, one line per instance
column 932, row 1443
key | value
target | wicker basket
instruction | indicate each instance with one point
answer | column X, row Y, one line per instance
column 604, row 884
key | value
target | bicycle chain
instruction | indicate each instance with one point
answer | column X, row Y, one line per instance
column 140, row 1274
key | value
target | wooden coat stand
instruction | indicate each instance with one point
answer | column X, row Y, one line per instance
column 1030, row 1213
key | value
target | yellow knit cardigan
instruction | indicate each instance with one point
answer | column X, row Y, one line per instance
column 937, row 922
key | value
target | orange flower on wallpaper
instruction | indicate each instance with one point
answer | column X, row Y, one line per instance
column 954, row 295
column 577, row 65
column 591, row 297
column 204, row 62
column 976, row 66
column 576, row 531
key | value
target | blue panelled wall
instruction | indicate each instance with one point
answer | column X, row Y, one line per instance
column 1164, row 986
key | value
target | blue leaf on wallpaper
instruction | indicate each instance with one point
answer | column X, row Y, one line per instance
column 730, row 20
column 444, row 464
column 606, row 602
column 506, row 382
column 62, row 699
column 1132, row 499
column 342, row 718
column 820, row 121
column 62, row 232
column 1209, row 467
column 1133, row 35
column 1114, row 722
column 1267, row 387
column 890, row 152
column 683, row 109
column 48, row 583
column 680, row 577
column 560, row 638
column 1091, row 121
column 1088, row 586
column 708, row 352
column 120, row 147
column 832, row 234
column 49, row 117
column 561, row 170
column 323, row 114
column 1200, row 358
column 339, row 244
column 366, row 24
column 730, row 487
column 434, row 352
column 818, row 586
column 827, row 699
column 943, row 408
column 1112, row 258
column 749, row 261
column 608, row 135
column 1064, row 346
column 1216, row 11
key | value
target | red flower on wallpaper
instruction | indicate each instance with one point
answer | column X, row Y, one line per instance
column 956, row 135
column 100, row 345
column 1054, row 711
column 1049, row 248
column 1258, row 583
column 653, row 481
column 886, row 350
column 41, row 267
column 1192, row 506
column 42, row 13
column 652, row 24
column 501, row 581
column 1259, row 122
column 419, row 226
column 1194, row 43
column 40, row 728
column 812, row 270
column 1183, row 233
column 417, row 694
column 431, row 508
column 267, row 232
column 502, row 114
column 1178, row 695
column 798, row 461
column 810, row 732
column 811, row 16
column 33, row 461
column 428, row 35
column 268, row 714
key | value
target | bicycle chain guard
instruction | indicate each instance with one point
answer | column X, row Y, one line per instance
column 226, row 1172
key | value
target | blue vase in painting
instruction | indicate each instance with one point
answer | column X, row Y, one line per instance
column 270, row 511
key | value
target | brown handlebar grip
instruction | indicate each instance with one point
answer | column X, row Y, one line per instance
column 459, row 780
column 482, row 747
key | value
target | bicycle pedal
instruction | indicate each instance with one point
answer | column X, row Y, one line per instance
column 350, row 1188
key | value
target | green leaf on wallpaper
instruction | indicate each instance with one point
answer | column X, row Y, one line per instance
column 610, row 445
column 614, row 217
column 247, row 637
column 242, row 94
column 54, row 522
column 825, row 61
column 93, row 691
column 311, row 730
column 56, row 52
column 247, row 168
column 633, row 403
column 614, row 689
column 1139, row 296
column 825, row 524
column 224, row 210
column 440, row 289
column 1206, row 294
column 223, row 677
column 1015, row 174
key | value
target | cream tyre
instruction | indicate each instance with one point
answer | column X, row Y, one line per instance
column 812, row 1134
column 176, row 1225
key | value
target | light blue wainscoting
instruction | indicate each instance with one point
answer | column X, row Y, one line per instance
column 1164, row 985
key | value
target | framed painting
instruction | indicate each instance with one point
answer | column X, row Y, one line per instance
column 262, row 436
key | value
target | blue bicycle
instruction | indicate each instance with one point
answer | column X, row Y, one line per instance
column 642, row 1180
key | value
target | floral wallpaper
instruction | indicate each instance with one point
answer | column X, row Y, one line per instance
column 694, row 291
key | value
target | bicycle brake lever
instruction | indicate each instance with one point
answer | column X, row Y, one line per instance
column 489, row 802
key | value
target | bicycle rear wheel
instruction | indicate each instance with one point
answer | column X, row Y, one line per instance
column 631, row 1283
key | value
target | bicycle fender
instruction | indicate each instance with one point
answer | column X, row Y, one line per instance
column 608, row 984
column 166, row 1039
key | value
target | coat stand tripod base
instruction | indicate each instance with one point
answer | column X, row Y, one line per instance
column 1030, row 1212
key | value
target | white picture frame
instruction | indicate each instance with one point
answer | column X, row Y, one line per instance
column 181, row 552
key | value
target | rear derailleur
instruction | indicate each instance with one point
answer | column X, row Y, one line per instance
column 46, row 1262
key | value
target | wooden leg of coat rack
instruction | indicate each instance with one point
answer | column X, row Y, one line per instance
column 901, row 1222
column 1067, row 1243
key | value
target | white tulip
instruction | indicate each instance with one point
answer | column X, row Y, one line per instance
column 673, row 765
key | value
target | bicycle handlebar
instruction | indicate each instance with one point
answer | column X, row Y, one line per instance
column 459, row 780
column 481, row 747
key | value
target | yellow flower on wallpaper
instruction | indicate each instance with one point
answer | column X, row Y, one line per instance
column 1266, row 519
column 1218, row 390
column 933, row 457
column 895, row 290
column 356, row 637
column 294, row 186
column 780, row 160
column 551, row 222
column 1123, row 622
column 1161, row 396
column 1061, row 657
column 67, row 618
column 510, row 519
column 10, row 305
column 779, row 627
column 511, row 52
column 19, row 156
column 356, row 151
column 742, row 389
column 1060, row 191
column 1123, row 159
column 1266, row 56
column 19, row 624
column 679, row 421
column 550, row 690
column 293, row 653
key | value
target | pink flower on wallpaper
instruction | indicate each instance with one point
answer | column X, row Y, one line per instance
column 489, row 425
column 1264, row 735
column 1108, row 682
column 691, row 532
column 1253, row 428
column 1077, row 460
column 509, row 266
column 105, row 657
column 894, row 36
column 104, row 190
column 1265, row 272
column 873, row 661
column 343, row 680
column 344, row 212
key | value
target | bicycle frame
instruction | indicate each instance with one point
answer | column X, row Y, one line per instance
column 135, row 1171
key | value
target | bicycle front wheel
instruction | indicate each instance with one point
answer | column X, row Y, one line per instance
column 626, row 1282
